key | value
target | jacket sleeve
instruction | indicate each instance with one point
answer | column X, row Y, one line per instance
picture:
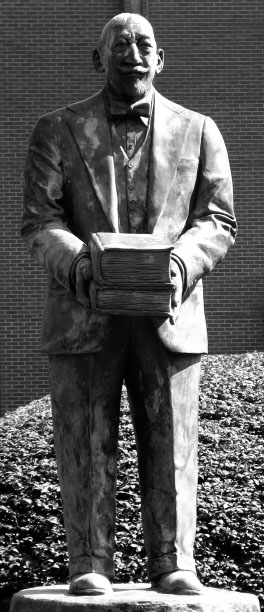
column 211, row 227
column 44, row 225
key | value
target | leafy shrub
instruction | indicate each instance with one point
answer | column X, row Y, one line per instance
column 230, row 542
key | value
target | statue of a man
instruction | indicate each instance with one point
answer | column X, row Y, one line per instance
column 127, row 160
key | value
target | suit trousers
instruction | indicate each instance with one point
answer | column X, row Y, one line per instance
column 163, row 397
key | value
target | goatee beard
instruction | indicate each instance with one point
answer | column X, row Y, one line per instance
column 136, row 91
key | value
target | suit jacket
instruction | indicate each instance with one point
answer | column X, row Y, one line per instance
column 70, row 192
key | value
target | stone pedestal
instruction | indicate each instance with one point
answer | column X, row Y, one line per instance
column 131, row 598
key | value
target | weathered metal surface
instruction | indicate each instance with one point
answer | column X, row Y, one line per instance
column 131, row 598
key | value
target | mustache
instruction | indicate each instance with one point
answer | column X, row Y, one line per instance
column 133, row 70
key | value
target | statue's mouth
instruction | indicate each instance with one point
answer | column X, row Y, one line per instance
column 135, row 72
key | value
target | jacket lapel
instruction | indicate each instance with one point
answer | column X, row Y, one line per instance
column 90, row 130
column 169, row 131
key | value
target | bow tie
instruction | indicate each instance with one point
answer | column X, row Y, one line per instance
column 119, row 110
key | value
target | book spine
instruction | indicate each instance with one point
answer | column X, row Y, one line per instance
column 96, row 251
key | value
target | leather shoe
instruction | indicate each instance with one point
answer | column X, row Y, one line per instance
column 90, row 584
column 179, row 582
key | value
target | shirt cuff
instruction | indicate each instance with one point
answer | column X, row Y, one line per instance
column 182, row 269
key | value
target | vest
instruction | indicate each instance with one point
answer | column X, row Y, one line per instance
column 131, row 173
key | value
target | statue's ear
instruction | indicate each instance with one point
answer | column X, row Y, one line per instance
column 97, row 62
column 160, row 61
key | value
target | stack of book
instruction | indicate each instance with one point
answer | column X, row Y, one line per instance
column 131, row 274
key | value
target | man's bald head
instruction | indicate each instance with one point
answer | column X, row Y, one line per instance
column 123, row 20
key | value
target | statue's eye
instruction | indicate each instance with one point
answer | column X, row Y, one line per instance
column 119, row 46
column 145, row 45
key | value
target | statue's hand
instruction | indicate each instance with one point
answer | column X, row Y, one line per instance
column 83, row 277
column 176, row 299
column 85, row 268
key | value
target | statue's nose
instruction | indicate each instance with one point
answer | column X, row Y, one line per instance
column 133, row 54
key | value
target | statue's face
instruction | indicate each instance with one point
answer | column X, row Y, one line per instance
column 130, row 57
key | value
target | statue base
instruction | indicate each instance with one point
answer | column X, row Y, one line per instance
column 131, row 598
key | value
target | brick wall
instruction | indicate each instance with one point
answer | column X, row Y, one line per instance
column 214, row 57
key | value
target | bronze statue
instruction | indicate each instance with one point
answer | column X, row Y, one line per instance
column 127, row 160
